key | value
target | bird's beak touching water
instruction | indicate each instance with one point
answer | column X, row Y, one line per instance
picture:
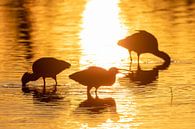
column 25, row 89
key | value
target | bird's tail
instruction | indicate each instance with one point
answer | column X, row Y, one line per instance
column 76, row 76
column 64, row 64
column 72, row 76
column 163, row 55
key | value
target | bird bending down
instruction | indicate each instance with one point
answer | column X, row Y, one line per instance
column 95, row 77
column 45, row 67
column 143, row 42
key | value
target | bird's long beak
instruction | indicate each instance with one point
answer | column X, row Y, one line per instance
column 120, row 71
column 123, row 69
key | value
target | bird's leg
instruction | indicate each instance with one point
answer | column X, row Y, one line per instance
column 55, row 87
column 44, row 84
column 130, row 57
column 130, row 67
column 89, row 96
column 138, row 57
column 138, row 67
column 96, row 92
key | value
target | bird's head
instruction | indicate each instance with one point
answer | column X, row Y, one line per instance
column 114, row 70
column 26, row 78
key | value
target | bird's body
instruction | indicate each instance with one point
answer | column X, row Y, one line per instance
column 49, row 67
column 95, row 77
column 143, row 42
column 45, row 67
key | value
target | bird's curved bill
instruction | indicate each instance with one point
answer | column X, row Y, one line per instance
column 124, row 70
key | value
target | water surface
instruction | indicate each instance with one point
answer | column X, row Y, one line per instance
column 85, row 33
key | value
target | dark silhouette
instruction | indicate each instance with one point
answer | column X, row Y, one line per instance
column 95, row 77
column 143, row 42
column 144, row 77
column 46, row 97
column 38, row 95
column 44, row 67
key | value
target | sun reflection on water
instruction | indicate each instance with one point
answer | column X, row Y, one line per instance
column 101, row 31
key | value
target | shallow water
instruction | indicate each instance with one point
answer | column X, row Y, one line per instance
column 85, row 33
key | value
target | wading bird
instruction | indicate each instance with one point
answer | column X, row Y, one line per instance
column 95, row 77
column 45, row 67
column 143, row 42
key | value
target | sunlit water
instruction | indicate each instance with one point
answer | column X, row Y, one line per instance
column 85, row 33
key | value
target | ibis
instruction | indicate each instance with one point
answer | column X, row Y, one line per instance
column 95, row 77
column 45, row 67
column 143, row 42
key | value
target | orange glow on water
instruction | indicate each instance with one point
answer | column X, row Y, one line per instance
column 101, row 31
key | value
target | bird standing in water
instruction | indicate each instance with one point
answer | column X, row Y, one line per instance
column 45, row 67
column 95, row 77
column 143, row 42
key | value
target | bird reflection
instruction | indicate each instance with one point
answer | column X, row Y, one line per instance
column 97, row 105
column 144, row 77
column 143, row 42
column 103, row 108
column 39, row 95
column 46, row 97
column 24, row 27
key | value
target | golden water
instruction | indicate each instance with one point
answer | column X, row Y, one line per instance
column 85, row 33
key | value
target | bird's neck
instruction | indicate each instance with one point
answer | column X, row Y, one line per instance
column 112, row 76
column 163, row 55
column 34, row 77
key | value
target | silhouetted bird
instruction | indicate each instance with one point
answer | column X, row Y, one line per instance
column 95, row 77
column 143, row 42
column 44, row 67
